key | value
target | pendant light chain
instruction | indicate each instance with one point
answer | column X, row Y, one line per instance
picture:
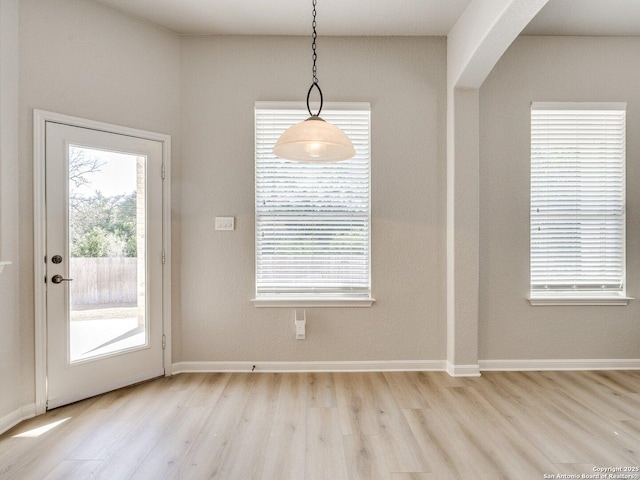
column 313, row 139
column 313, row 44
column 314, row 83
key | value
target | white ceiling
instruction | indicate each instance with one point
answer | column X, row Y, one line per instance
column 587, row 17
column 370, row 17
column 293, row 17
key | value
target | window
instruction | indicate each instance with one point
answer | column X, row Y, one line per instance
column 578, row 203
column 312, row 220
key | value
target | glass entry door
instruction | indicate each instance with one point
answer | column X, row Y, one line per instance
column 104, row 270
column 107, row 223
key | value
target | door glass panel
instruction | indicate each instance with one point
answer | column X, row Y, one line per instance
column 107, row 213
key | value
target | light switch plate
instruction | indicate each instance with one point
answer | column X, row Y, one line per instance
column 225, row 223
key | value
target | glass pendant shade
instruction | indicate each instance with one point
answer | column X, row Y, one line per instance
column 314, row 140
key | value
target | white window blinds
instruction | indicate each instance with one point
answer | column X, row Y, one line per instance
column 577, row 199
column 312, row 220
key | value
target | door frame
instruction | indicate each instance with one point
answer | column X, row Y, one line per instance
column 40, row 118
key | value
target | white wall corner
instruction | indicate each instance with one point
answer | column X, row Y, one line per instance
column 18, row 415
column 474, row 45
column 10, row 345
column 463, row 370
column 463, row 227
column 481, row 36
column 9, row 112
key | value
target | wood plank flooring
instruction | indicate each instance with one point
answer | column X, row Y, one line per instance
column 338, row 426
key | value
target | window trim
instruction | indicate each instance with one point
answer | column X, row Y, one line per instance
column 309, row 302
column 585, row 297
column 321, row 299
column 546, row 301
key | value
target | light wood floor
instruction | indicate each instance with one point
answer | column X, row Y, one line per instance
column 395, row 426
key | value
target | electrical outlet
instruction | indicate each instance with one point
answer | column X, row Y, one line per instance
column 300, row 320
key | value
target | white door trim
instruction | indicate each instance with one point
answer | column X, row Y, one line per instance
column 40, row 117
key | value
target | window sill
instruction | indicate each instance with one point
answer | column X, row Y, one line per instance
column 313, row 302
column 3, row 264
column 582, row 300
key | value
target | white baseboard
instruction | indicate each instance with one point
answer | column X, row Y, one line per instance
column 409, row 365
column 571, row 364
column 463, row 370
column 18, row 415
column 271, row 367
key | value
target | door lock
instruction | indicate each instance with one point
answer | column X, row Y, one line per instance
column 59, row 279
column 56, row 259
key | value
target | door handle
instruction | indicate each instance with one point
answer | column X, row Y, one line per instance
column 59, row 279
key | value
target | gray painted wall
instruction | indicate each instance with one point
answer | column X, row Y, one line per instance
column 10, row 367
column 549, row 69
column 404, row 79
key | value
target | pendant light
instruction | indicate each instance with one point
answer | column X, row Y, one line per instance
column 314, row 140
